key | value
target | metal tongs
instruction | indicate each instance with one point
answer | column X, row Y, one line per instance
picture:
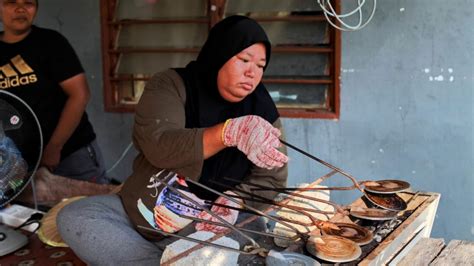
column 352, row 178
column 253, row 248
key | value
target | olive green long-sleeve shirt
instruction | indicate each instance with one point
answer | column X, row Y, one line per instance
column 163, row 142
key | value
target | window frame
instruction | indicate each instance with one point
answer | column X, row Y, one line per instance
column 110, row 28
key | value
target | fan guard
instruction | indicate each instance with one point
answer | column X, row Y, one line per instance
column 21, row 125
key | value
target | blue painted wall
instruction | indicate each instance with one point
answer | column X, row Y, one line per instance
column 406, row 98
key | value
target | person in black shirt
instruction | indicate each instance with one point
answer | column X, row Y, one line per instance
column 41, row 67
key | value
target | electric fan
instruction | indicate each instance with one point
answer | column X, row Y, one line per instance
column 21, row 146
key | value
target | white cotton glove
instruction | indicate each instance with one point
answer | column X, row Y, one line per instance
column 227, row 214
column 255, row 137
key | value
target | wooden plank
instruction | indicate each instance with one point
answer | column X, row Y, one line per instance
column 406, row 249
column 424, row 252
column 431, row 217
column 458, row 252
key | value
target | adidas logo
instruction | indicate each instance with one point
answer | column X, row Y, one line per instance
column 23, row 75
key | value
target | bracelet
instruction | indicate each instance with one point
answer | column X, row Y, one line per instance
column 223, row 130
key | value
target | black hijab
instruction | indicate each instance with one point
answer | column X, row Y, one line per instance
column 204, row 105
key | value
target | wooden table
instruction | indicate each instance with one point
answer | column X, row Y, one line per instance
column 434, row 251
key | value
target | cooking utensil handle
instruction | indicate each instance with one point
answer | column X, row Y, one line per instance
column 202, row 242
column 322, row 162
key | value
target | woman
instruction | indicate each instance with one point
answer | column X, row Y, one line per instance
column 209, row 122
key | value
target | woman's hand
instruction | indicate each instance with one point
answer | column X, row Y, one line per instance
column 227, row 214
column 255, row 137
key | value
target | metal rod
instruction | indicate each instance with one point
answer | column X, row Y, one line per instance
column 324, row 163
column 305, row 189
column 248, row 207
column 299, row 195
column 302, row 208
column 210, row 212
column 194, row 240
column 284, row 205
column 217, row 236
column 243, row 229
column 318, row 223
column 280, row 219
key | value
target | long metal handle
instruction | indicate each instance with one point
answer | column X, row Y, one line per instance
column 203, row 242
column 241, row 228
column 225, row 223
column 247, row 206
column 257, row 198
column 294, row 194
column 324, row 163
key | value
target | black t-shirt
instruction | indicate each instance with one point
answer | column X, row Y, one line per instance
column 32, row 69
